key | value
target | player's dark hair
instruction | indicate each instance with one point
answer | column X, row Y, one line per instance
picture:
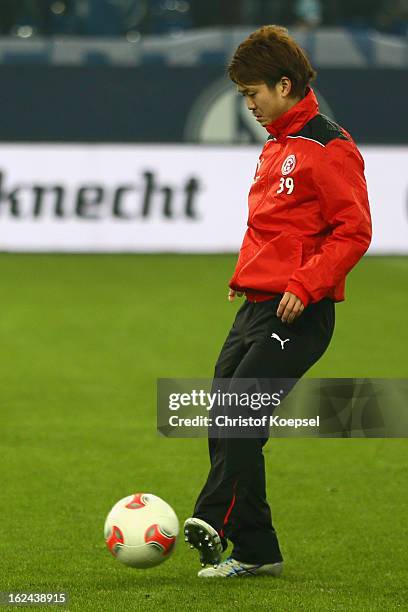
column 269, row 54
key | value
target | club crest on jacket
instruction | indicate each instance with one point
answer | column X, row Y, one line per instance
column 289, row 165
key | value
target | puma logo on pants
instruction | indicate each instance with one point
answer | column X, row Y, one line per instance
column 276, row 337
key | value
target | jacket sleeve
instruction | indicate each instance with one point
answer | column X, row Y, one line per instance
column 338, row 176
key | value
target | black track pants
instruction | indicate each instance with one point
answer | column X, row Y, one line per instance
column 233, row 500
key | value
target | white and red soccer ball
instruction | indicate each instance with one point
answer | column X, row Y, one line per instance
column 141, row 530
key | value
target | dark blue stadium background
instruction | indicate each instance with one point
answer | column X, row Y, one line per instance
column 151, row 103
column 131, row 81
column 117, row 17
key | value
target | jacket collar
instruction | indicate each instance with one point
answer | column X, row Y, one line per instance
column 296, row 117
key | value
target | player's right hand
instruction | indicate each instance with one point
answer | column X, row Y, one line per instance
column 232, row 294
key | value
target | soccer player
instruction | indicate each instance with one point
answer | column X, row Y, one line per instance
column 308, row 225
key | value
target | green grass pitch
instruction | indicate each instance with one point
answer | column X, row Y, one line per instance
column 83, row 339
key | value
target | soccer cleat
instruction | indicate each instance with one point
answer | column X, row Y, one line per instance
column 231, row 568
column 205, row 539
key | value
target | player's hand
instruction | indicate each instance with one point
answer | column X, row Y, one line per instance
column 232, row 294
column 290, row 307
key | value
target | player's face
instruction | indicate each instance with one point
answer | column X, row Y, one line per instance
column 267, row 103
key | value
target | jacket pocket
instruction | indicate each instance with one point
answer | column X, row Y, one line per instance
column 270, row 268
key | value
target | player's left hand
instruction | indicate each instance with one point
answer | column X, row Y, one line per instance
column 232, row 294
column 290, row 307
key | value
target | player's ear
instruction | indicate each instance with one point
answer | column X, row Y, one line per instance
column 285, row 86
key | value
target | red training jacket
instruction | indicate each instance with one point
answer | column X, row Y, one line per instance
column 309, row 219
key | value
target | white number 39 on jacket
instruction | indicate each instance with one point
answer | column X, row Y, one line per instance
column 287, row 184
